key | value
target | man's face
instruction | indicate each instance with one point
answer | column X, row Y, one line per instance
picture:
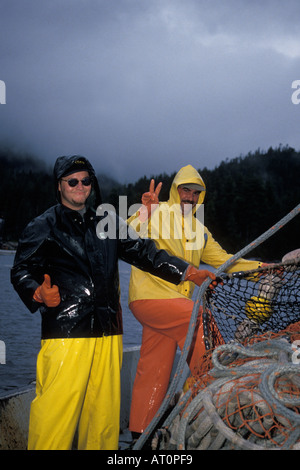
column 188, row 198
column 74, row 197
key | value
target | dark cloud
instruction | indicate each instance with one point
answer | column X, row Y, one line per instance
column 146, row 87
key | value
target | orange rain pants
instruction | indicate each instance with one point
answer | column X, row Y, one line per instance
column 165, row 325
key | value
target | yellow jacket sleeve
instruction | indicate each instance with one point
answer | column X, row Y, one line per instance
column 214, row 255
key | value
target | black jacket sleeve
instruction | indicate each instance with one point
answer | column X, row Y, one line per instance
column 27, row 271
column 143, row 254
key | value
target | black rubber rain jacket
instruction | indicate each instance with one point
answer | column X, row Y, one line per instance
column 83, row 265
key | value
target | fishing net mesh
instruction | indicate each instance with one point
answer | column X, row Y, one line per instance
column 246, row 394
column 251, row 303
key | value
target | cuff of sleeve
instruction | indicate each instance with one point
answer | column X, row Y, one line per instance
column 184, row 273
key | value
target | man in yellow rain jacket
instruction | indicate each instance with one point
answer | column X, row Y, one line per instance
column 164, row 309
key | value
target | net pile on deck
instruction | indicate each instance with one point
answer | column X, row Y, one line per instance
column 247, row 392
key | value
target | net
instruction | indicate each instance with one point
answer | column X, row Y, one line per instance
column 254, row 322
column 246, row 394
column 251, row 303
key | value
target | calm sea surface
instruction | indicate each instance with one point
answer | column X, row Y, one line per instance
column 20, row 329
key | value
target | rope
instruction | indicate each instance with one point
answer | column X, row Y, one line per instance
column 243, row 399
column 184, row 353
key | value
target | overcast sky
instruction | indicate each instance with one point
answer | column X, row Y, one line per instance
column 142, row 87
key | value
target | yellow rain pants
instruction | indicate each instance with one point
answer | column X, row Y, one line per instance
column 77, row 386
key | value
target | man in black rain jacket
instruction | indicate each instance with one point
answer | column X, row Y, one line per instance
column 68, row 269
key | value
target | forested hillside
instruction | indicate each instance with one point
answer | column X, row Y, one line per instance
column 245, row 196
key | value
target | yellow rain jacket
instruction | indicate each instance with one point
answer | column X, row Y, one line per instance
column 183, row 236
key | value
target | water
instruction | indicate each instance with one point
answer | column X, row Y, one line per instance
column 20, row 330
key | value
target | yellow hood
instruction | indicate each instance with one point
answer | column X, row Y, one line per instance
column 185, row 175
column 175, row 240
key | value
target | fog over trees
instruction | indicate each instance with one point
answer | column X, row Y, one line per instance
column 245, row 196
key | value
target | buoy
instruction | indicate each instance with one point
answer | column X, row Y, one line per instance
column 258, row 309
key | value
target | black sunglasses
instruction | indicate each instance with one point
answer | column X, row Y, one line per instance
column 87, row 181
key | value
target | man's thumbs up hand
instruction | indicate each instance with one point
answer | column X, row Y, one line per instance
column 46, row 294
